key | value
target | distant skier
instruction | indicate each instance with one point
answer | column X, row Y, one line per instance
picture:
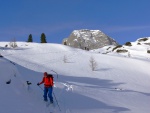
column 48, row 86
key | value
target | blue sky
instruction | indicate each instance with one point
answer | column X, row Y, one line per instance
column 122, row 20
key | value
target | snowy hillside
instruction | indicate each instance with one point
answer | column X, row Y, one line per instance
column 118, row 84
column 138, row 49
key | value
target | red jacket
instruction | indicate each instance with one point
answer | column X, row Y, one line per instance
column 48, row 81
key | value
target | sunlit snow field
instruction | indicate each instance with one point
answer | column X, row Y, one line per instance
column 119, row 84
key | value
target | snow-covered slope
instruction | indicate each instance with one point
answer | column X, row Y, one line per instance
column 138, row 49
column 118, row 84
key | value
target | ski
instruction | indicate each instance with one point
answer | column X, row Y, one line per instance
column 50, row 107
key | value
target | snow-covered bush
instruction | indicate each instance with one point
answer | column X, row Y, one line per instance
column 13, row 43
column 65, row 59
column 128, row 44
column 119, row 46
column 93, row 64
column 148, row 51
column 121, row 51
column 1, row 55
column 138, row 43
column 142, row 39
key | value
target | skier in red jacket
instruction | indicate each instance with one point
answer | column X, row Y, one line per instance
column 48, row 86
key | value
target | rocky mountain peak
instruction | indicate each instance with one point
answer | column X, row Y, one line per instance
column 88, row 39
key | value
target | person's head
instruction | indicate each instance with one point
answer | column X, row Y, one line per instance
column 45, row 74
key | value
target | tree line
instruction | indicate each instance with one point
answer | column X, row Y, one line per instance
column 43, row 38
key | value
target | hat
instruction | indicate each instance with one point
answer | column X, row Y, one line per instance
column 45, row 73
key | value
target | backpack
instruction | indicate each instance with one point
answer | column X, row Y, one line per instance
column 50, row 76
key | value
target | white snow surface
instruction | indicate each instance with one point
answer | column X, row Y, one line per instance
column 85, row 33
column 118, row 85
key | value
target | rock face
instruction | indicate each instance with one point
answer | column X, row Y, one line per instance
column 88, row 39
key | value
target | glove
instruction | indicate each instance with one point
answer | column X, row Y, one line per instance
column 38, row 84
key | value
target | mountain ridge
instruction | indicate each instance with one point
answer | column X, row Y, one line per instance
column 88, row 39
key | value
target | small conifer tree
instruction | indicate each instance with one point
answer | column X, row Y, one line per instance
column 43, row 38
column 30, row 38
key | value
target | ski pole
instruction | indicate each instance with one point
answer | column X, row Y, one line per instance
column 55, row 72
column 56, row 101
column 41, row 88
